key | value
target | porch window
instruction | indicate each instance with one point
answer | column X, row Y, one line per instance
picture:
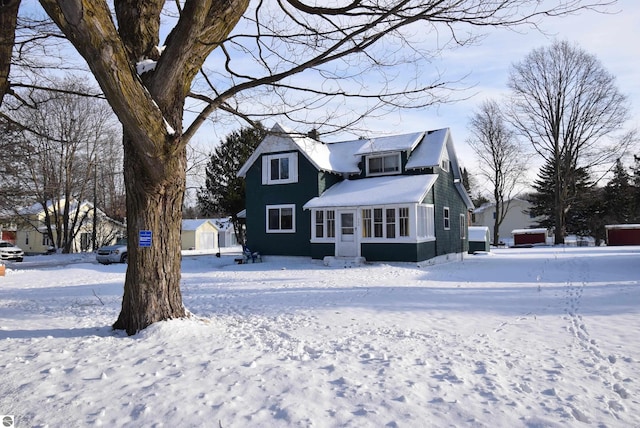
column 281, row 219
column 426, row 229
column 446, row 218
column 404, row 221
column 391, row 222
column 319, row 224
column 378, row 223
column 385, row 223
column 366, row 223
column 380, row 165
column 331, row 224
column 280, row 168
column 324, row 224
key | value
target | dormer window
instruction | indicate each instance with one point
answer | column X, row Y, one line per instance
column 385, row 164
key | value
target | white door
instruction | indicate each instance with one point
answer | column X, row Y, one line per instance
column 347, row 241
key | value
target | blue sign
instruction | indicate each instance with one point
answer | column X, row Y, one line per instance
column 145, row 239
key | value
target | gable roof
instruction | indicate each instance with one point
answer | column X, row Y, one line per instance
column 396, row 189
column 425, row 150
column 194, row 224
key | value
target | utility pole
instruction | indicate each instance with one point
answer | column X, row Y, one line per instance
column 95, row 211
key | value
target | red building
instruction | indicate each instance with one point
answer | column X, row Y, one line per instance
column 623, row 234
column 527, row 237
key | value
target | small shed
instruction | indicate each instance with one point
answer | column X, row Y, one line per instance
column 623, row 234
column 199, row 235
column 529, row 237
column 479, row 239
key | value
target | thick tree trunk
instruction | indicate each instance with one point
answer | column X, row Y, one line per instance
column 8, row 20
column 152, row 284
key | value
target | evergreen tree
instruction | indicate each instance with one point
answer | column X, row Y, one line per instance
column 619, row 198
column 635, row 182
column 224, row 191
column 577, row 187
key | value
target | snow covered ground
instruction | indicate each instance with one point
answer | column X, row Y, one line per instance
column 539, row 337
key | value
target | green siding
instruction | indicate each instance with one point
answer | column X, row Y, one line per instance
column 446, row 195
column 309, row 184
column 398, row 252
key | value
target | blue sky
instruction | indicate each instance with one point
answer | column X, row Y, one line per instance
column 614, row 38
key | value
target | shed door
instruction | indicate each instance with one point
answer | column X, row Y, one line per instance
column 346, row 242
column 207, row 241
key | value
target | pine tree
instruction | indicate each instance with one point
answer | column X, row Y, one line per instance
column 578, row 195
column 635, row 182
column 619, row 198
column 224, row 192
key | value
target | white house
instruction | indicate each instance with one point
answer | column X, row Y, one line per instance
column 31, row 232
column 517, row 217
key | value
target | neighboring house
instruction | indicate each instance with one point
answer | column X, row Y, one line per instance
column 517, row 217
column 396, row 198
column 199, row 234
column 226, row 232
column 32, row 237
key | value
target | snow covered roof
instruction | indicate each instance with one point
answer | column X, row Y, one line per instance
column 375, row 191
column 194, row 224
column 425, row 148
column 528, row 231
column 391, row 143
column 478, row 233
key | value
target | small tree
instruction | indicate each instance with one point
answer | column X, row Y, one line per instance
column 501, row 159
column 224, row 192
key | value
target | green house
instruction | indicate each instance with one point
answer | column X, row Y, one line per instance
column 394, row 198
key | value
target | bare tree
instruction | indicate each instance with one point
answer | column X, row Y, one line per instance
column 272, row 51
column 501, row 160
column 60, row 156
column 568, row 107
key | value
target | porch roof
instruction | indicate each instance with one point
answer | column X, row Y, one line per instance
column 375, row 191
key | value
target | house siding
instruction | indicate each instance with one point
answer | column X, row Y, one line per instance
column 445, row 194
column 399, row 252
column 298, row 193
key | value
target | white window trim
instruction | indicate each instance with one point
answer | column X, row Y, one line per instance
column 411, row 238
column 444, row 163
column 429, row 227
column 280, row 207
column 325, row 226
column 446, row 218
column 373, row 174
column 463, row 228
column 293, row 168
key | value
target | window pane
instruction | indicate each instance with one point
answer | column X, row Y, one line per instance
column 404, row 221
column 274, row 218
column 331, row 224
column 391, row 223
column 274, row 169
column 366, row 223
column 284, row 168
column 391, row 163
column 377, row 222
column 286, row 219
column 319, row 224
column 375, row 165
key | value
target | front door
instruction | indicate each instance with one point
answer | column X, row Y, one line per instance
column 347, row 242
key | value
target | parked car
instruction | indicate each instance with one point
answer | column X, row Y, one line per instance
column 8, row 251
column 116, row 253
